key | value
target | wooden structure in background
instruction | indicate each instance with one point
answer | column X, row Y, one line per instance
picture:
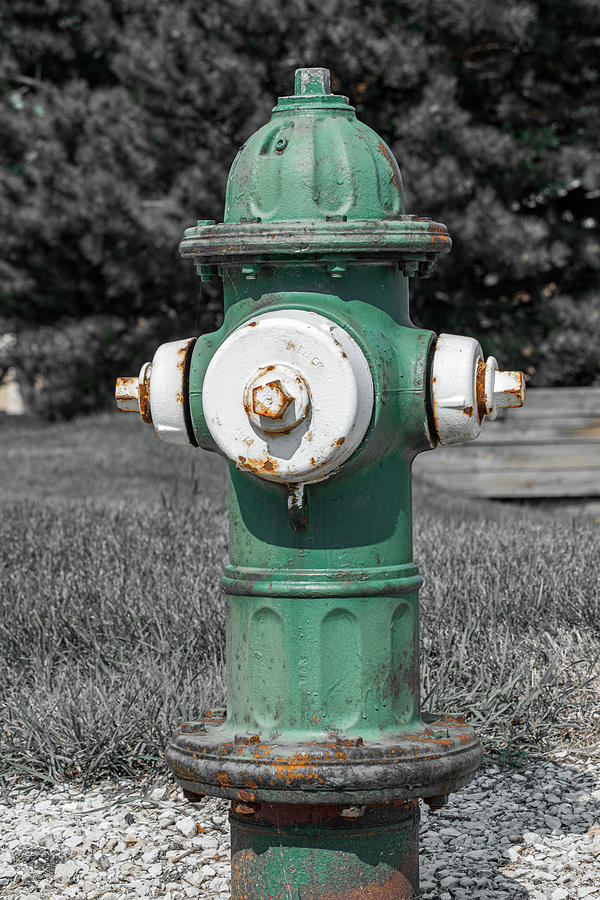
column 550, row 448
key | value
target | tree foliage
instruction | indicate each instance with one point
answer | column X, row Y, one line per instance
column 120, row 118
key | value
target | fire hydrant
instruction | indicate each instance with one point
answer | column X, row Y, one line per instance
column 320, row 392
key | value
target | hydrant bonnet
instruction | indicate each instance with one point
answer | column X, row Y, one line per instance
column 314, row 159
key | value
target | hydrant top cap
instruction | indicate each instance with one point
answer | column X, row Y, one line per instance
column 314, row 161
column 314, row 182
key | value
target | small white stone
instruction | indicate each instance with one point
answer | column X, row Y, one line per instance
column 187, row 826
column 206, row 872
column 65, row 871
column 74, row 841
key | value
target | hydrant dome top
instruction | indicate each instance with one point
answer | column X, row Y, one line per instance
column 312, row 183
column 314, row 160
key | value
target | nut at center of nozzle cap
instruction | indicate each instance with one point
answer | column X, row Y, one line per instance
column 270, row 400
column 277, row 399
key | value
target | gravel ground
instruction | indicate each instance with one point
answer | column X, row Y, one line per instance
column 527, row 833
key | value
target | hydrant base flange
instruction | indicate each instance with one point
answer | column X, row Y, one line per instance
column 439, row 757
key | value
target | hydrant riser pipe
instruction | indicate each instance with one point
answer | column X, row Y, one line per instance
column 343, row 666
column 346, row 661
column 339, row 536
column 374, row 856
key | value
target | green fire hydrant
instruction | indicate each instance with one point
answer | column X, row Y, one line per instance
column 320, row 392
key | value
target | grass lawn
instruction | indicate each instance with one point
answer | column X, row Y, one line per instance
column 111, row 630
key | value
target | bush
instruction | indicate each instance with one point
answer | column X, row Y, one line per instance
column 72, row 369
column 120, row 122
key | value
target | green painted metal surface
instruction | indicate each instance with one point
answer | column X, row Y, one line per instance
column 312, row 160
column 372, row 856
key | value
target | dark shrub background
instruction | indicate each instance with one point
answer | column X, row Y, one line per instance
column 119, row 120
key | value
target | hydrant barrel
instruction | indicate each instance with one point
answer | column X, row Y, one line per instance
column 319, row 391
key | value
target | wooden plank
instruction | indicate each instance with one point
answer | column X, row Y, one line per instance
column 550, row 448
column 505, row 484
column 467, row 457
column 558, row 401
column 541, row 431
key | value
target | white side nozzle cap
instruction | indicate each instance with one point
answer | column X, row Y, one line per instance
column 465, row 390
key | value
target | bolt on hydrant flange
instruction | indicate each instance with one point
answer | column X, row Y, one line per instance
column 317, row 386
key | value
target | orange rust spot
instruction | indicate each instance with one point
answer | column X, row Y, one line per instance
column 399, row 886
column 385, row 152
column 280, row 400
column 435, row 418
column 247, row 796
column 250, row 783
column 340, row 441
column 253, row 739
column 480, row 389
column 286, row 771
column 144, row 400
column 312, row 461
column 251, row 324
column 179, row 398
column 244, row 810
column 223, row 779
column 258, row 465
column 468, row 411
column 449, row 719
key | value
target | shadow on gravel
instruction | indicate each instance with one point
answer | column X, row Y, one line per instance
column 519, row 833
